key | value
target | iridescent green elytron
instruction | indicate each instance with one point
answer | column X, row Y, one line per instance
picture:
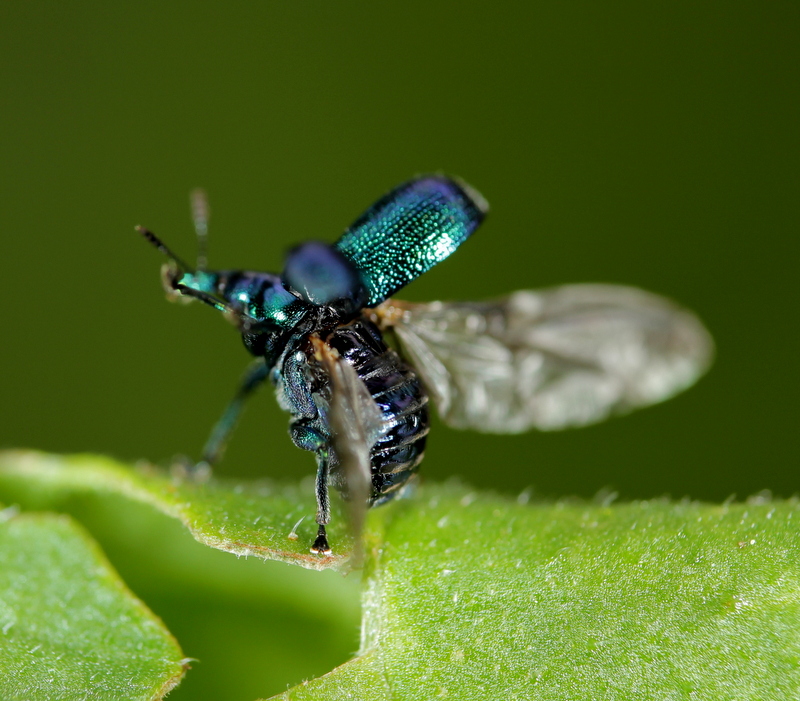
column 407, row 232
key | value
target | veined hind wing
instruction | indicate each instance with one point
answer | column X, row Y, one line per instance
column 356, row 424
column 550, row 359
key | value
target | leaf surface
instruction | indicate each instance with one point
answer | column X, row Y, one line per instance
column 254, row 518
column 476, row 597
column 472, row 596
column 69, row 628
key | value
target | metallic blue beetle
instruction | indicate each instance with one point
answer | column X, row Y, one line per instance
column 550, row 359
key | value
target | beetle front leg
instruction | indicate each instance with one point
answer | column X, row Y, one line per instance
column 255, row 374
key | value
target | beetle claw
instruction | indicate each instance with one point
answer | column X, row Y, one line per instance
column 321, row 546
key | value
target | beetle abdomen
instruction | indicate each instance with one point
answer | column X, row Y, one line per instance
column 401, row 399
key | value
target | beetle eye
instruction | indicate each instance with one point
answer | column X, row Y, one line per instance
column 171, row 275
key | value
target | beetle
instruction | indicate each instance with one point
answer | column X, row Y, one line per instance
column 548, row 359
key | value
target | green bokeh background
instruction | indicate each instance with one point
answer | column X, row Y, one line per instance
column 650, row 144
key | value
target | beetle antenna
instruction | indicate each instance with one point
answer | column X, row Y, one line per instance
column 161, row 246
column 200, row 215
column 206, row 298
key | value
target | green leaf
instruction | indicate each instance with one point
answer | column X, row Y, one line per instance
column 69, row 628
column 476, row 597
column 256, row 518
column 247, row 622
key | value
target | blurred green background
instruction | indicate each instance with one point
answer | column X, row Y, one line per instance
column 652, row 144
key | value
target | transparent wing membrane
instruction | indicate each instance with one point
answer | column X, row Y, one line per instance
column 356, row 424
column 550, row 359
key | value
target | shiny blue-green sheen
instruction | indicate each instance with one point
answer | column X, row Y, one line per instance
column 409, row 230
column 259, row 297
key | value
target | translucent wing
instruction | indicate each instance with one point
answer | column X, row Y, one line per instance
column 550, row 359
column 409, row 230
column 356, row 423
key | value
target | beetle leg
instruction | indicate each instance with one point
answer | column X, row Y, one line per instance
column 256, row 373
column 321, row 546
column 306, row 436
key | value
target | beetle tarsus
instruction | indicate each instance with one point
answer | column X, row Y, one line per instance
column 321, row 546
